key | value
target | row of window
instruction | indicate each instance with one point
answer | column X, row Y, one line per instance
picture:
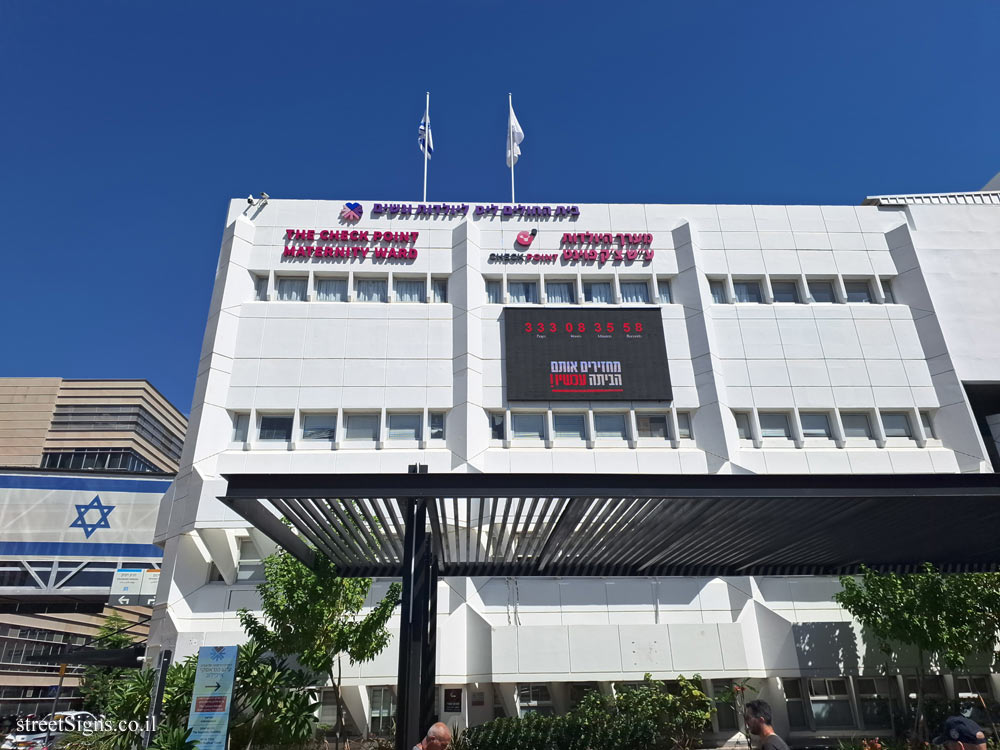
column 568, row 425
column 118, row 417
column 836, row 425
column 99, row 459
column 799, row 290
column 321, row 427
column 365, row 289
column 835, row 290
column 570, row 291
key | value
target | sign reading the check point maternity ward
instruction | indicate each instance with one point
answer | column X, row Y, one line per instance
column 213, row 694
column 585, row 355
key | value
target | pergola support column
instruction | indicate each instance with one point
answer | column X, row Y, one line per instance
column 416, row 677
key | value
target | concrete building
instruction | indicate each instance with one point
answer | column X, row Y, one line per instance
column 799, row 340
column 117, row 425
column 83, row 465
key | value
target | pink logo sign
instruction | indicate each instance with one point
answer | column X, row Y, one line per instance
column 524, row 238
column 351, row 212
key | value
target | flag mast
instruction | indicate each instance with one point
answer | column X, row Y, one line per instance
column 427, row 127
column 510, row 139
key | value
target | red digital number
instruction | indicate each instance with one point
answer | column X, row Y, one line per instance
column 527, row 327
column 581, row 327
column 569, row 328
column 611, row 327
column 597, row 327
column 638, row 327
column 552, row 327
column 627, row 327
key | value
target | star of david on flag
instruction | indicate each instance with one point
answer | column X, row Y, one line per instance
column 97, row 506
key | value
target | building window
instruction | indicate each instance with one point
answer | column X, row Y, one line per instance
column 371, row 290
column 319, row 427
column 494, row 291
column 896, row 425
column 747, row 291
column 260, row 288
column 534, row 698
column 609, row 426
column 725, row 711
column 569, row 426
column 383, row 712
column 598, row 292
column 331, row 290
column 651, row 425
column 875, row 701
column 815, row 425
column 560, row 292
column 292, row 289
column 718, row 291
column 362, row 427
column 241, row 427
column 785, row 291
column 795, row 704
column 251, row 567
column 275, row 427
column 439, row 290
column 743, row 425
column 890, row 298
column 856, row 426
column 683, row 425
column 830, row 705
column 663, row 291
column 528, row 426
column 775, row 425
column 404, row 426
column 410, row 290
column 100, row 459
column 635, row 292
column 118, row 417
column 925, row 421
column 496, row 426
column 523, row 292
column 822, row 291
column 436, row 420
column 858, row 291
column 579, row 690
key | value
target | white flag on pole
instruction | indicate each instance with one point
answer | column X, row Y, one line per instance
column 514, row 136
column 424, row 135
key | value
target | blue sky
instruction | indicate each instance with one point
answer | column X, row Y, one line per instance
column 127, row 126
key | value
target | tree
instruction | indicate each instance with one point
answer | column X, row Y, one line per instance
column 315, row 616
column 272, row 704
column 97, row 683
column 946, row 617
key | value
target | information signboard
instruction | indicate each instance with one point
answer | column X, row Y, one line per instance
column 560, row 354
column 212, row 696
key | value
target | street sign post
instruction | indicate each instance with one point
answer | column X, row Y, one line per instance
column 213, row 694
column 134, row 587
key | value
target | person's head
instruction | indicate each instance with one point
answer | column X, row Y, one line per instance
column 438, row 737
column 960, row 733
column 757, row 715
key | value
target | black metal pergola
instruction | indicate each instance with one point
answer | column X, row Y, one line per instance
column 421, row 526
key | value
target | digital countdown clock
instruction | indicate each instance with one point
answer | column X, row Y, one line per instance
column 585, row 355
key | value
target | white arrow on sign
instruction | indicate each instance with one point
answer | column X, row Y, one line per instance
column 123, row 600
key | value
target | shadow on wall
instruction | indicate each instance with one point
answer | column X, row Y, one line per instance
column 826, row 647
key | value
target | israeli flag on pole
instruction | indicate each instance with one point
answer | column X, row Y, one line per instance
column 425, row 139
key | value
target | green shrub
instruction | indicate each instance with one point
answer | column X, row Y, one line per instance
column 646, row 717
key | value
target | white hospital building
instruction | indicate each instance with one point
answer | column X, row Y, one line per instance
column 799, row 341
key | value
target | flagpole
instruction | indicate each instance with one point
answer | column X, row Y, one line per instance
column 510, row 138
column 427, row 127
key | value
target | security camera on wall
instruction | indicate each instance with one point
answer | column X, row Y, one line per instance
column 250, row 199
column 264, row 196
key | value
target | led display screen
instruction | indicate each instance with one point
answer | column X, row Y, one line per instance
column 594, row 354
